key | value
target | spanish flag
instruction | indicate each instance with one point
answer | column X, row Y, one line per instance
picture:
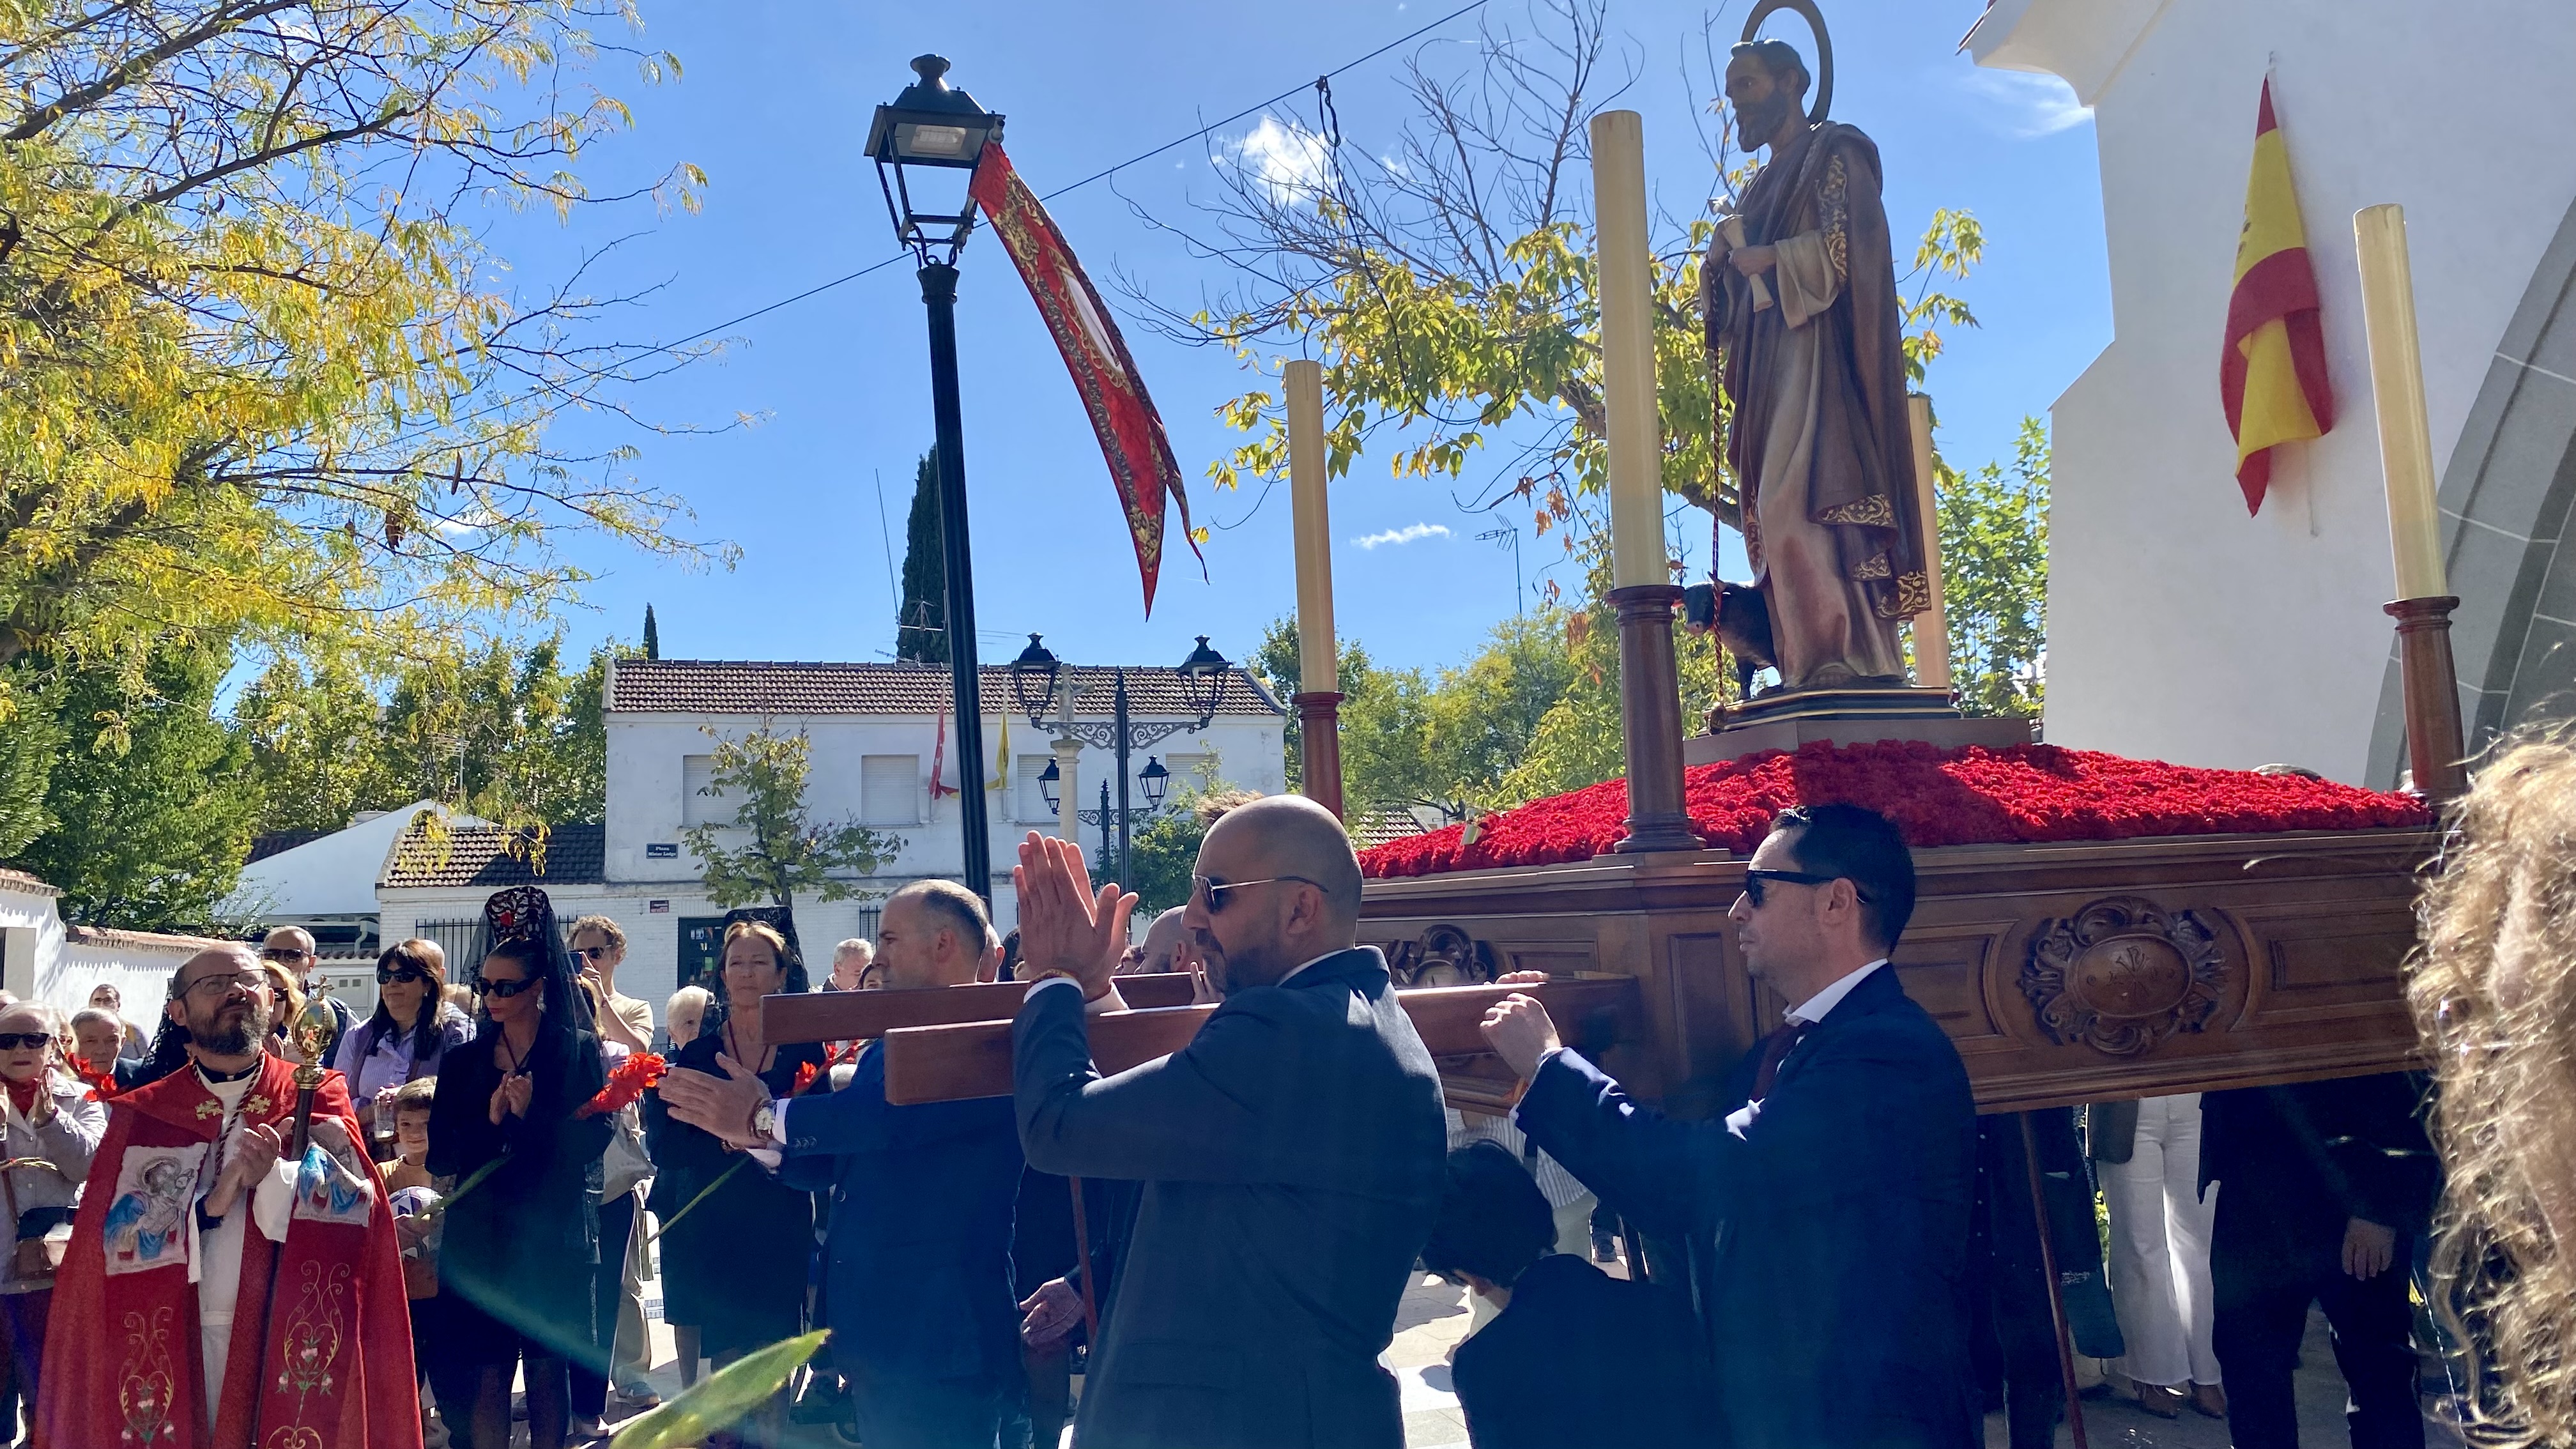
column 2272, row 372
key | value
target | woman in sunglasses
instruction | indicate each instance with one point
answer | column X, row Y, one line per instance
column 412, row 1029
column 519, row 1248
column 50, row 1127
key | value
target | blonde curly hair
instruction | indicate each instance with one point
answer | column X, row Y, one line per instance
column 2494, row 994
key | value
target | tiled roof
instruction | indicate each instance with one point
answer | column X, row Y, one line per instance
column 1377, row 827
column 19, row 880
column 486, row 856
column 149, row 940
column 725, row 686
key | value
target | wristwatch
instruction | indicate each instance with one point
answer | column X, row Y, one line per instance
column 764, row 1120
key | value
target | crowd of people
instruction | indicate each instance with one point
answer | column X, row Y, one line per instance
column 205, row 1253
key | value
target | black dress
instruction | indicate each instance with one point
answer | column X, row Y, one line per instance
column 519, row 1249
column 736, row 1264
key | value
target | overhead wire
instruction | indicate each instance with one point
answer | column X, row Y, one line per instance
column 702, row 334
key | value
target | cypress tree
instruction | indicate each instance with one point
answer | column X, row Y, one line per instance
column 921, row 627
column 652, row 635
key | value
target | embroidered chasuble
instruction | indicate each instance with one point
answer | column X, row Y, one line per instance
column 1819, row 441
column 281, row 1324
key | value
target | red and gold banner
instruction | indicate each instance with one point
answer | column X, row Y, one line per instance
column 1113, row 391
column 2272, row 370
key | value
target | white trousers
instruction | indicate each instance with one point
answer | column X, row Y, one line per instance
column 2160, row 1247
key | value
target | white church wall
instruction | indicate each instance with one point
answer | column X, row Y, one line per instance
column 2178, row 627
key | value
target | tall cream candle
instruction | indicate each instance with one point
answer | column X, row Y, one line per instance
column 1318, row 669
column 1932, row 626
column 1628, row 350
column 2397, row 390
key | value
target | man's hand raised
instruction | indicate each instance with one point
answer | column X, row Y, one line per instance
column 1520, row 1032
column 1066, row 926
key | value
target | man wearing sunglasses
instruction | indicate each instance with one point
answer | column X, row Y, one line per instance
column 292, row 947
column 1832, row 1205
column 1293, row 1155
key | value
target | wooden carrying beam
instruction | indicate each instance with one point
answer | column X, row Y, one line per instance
column 866, row 1015
column 946, row 1063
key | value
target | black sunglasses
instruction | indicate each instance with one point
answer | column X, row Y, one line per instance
column 11, row 1041
column 1207, row 887
column 1754, row 880
column 492, row 986
column 405, row 974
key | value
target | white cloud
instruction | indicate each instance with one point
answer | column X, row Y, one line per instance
column 1289, row 159
column 2026, row 103
column 1410, row 533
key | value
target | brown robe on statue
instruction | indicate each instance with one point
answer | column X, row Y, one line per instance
column 1820, row 443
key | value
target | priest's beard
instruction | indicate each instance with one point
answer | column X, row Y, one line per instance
column 231, row 1029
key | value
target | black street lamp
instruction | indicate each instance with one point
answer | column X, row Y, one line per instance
column 931, row 128
column 1203, row 678
column 1051, row 785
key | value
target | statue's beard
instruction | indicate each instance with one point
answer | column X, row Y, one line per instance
column 1755, row 125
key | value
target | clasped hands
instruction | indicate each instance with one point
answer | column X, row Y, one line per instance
column 1066, row 927
column 511, row 1098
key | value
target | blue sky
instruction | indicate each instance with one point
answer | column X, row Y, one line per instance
column 774, row 106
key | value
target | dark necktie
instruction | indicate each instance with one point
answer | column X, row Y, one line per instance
column 1775, row 1050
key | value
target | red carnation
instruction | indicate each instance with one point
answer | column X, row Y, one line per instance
column 626, row 1082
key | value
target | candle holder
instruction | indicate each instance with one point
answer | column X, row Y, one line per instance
column 2430, row 683
column 1319, row 743
column 1651, row 720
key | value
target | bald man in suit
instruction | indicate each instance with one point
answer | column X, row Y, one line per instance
column 1292, row 1155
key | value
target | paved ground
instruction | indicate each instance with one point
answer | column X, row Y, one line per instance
column 1433, row 1318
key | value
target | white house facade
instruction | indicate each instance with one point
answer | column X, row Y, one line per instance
column 2181, row 629
column 43, row 958
column 875, row 732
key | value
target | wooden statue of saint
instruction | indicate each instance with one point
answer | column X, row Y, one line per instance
column 1809, row 357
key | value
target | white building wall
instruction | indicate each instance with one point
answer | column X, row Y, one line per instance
column 646, row 798
column 2179, row 628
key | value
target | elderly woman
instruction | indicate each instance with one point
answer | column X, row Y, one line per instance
column 52, row 1127
column 405, row 1040
column 734, row 1265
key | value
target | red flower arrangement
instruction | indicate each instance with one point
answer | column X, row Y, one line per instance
column 1966, row 796
column 626, row 1082
column 804, row 1078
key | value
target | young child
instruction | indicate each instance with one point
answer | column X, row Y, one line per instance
column 406, row 1168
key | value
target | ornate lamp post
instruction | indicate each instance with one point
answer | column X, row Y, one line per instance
column 1038, row 685
column 930, row 129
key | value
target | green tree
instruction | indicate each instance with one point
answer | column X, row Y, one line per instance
column 261, row 378
column 1994, row 577
column 652, row 635
column 784, row 850
column 921, row 622
column 151, row 803
column 505, row 733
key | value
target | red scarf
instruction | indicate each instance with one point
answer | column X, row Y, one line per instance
column 22, row 1095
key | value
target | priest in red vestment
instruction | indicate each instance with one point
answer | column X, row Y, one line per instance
column 214, row 1297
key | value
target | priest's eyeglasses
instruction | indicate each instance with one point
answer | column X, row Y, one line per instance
column 1206, row 887
column 1754, row 880
column 207, row 988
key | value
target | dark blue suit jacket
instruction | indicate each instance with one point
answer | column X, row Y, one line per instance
column 1836, row 1304
column 1292, row 1159
column 1580, row 1357
column 920, row 1245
